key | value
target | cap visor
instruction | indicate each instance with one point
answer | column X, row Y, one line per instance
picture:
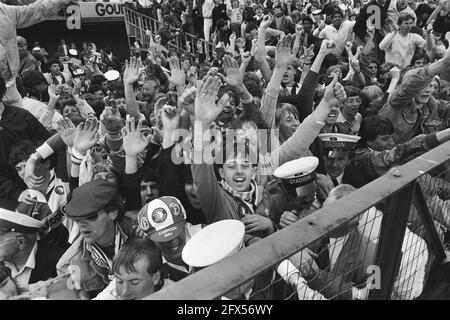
column 169, row 233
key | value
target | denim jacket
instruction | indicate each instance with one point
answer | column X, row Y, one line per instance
column 400, row 108
column 94, row 278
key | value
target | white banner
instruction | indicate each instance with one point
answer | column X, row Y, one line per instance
column 101, row 9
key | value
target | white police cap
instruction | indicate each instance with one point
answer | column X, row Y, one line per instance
column 112, row 75
column 18, row 222
column 73, row 52
column 339, row 141
column 297, row 168
column 213, row 243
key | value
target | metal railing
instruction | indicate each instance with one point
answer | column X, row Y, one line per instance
column 140, row 26
column 400, row 219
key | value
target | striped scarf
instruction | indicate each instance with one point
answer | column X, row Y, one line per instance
column 248, row 197
column 97, row 254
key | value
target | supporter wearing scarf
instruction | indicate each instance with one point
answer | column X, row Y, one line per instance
column 250, row 198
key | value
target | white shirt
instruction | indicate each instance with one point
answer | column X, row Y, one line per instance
column 110, row 293
column 22, row 276
column 38, row 109
column 339, row 37
column 411, row 275
column 401, row 49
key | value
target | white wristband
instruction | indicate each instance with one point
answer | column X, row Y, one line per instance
column 45, row 150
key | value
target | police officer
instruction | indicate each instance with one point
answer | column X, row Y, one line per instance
column 30, row 260
column 337, row 153
column 292, row 195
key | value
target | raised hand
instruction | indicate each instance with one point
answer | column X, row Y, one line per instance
column 67, row 130
column 395, row 73
column 354, row 63
column 266, row 21
column 177, row 76
column 321, row 25
column 187, row 100
column 192, row 75
column 170, row 118
column 246, row 57
column 76, row 87
column 86, row 135
column 283, row 53
column 111, row 120
column 348, row 48
column 234, row 77
column 327, row 47
column 52, row 93
column 254, row 47
column 134, row 141
column 308, row 54
column 232, row 37
column 334, row 93
column 206, row 109
column 132, row 70
column 299, row 29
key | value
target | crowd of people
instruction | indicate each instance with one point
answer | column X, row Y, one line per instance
column 129, row 176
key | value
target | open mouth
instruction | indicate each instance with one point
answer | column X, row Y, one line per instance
column 239, row 180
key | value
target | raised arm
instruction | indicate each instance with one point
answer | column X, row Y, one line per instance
column 417, row 80
column 41, row 10
column 283, row 55
column 260, row 56
column 131, row 76
column 206, row 111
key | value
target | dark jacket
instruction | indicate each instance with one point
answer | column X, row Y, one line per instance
column 47, row 256
column 441, row 24
column 368, row 165
column 16, row 124
column 401, row 111
column 364, row 14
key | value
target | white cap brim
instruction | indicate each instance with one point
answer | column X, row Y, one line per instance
column 20, row 219
column 214, row 243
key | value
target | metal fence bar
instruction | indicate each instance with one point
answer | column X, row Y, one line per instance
column 391, row 239
column 427, row 221
column 214, row 281
column 139, row 23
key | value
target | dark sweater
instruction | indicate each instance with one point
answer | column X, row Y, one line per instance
column 16, row 124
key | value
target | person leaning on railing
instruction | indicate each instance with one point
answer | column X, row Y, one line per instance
column 378, row 152
column 411, row 108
